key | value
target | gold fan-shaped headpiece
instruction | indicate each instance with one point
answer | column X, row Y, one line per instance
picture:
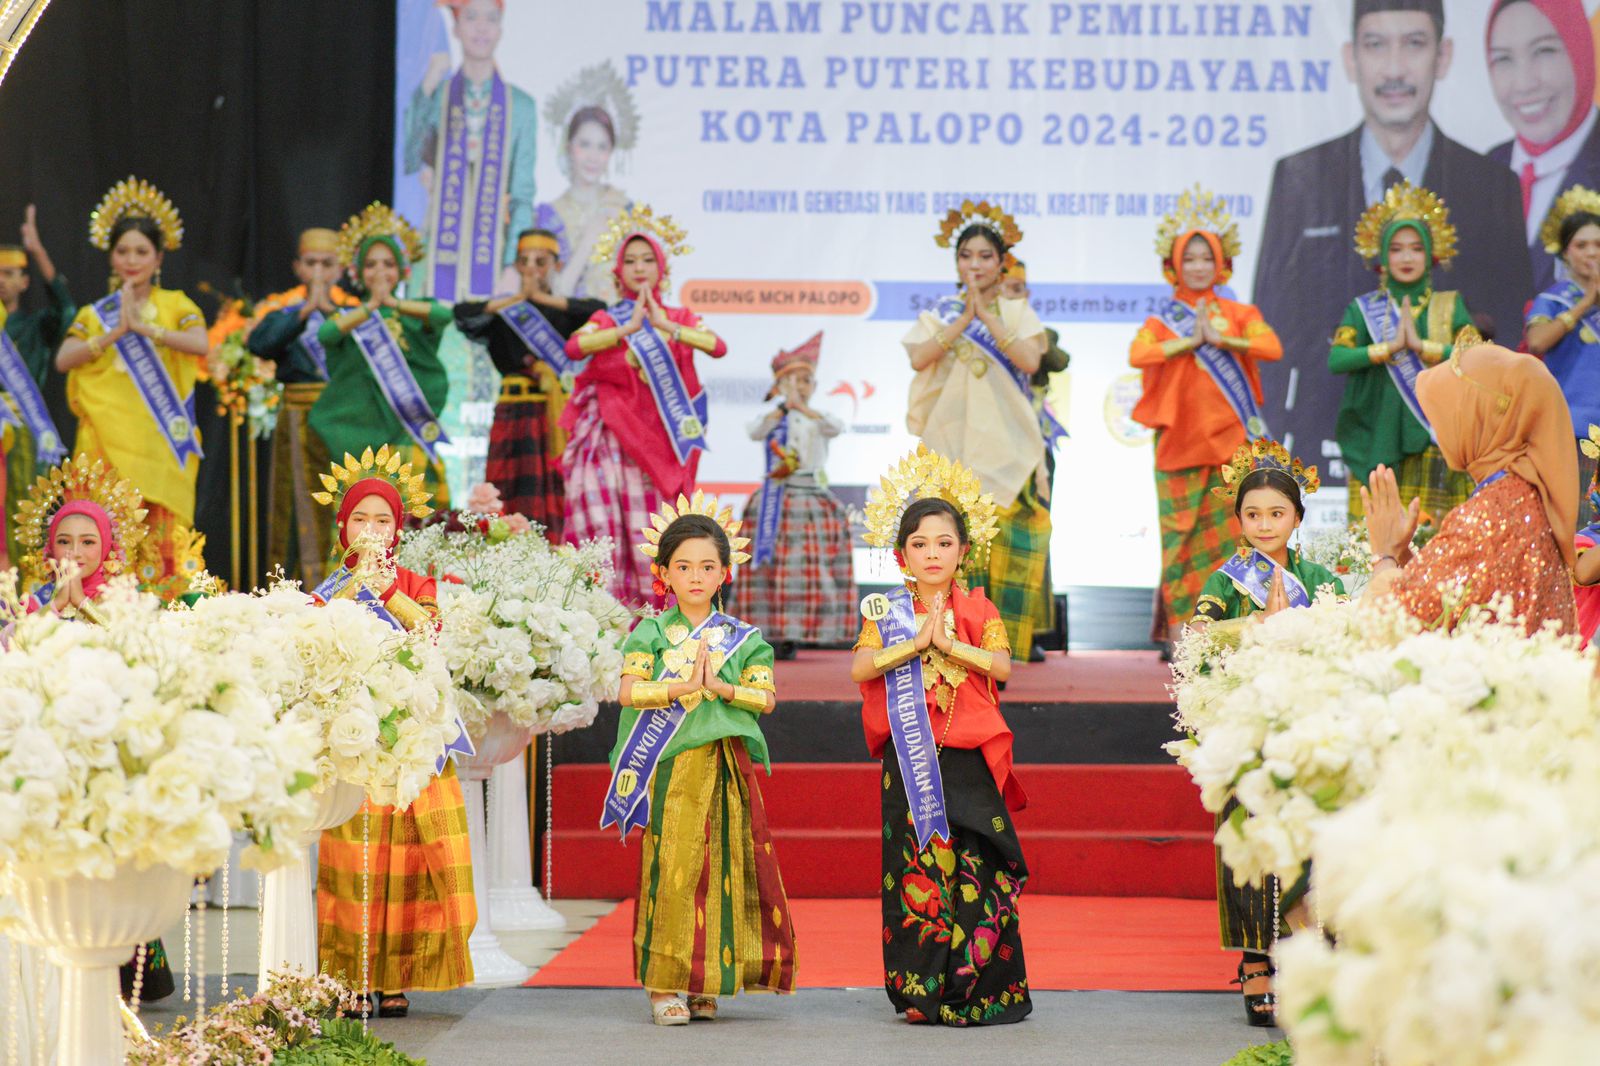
column 1198, row 209
column 386, row 465
column 636, row 221
column 921, row 475
column 1264, row 454
column 990, row 216
column 135, row 198
column 1578, row 198
column 80, row 478
column 1405, row 201
column 378, row 220
column 595, row 86
column 701, row 504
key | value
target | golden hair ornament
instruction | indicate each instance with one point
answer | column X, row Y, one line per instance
column 378, row 220
column 699, row 504
column 1198, row 209
column 926, row 474
column 1264, row 454
column 386, row 465
column 1578, row 198
column 639, row 221
column 80, row 478
column 598, row 86
column 135, row 198
column 1405, row 202
column 990, row 216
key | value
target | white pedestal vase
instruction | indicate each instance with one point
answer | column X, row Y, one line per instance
column 514, row 902
column 90, row 927
column 501, row 742
column 288, row 894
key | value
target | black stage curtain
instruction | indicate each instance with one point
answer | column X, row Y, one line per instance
column 258, row 118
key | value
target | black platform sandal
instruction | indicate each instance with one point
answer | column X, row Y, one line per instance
column 1260, row 1010
column 393, row 1005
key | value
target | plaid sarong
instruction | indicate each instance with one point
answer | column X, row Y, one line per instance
column 422, row 908
column 711, row 917
column 298, row 534
column 521, row 463
column 607, row 495
column 1018, row 558
column 807, row 594
column 1245, row 911
column 16, row 478
column 1198, row 532
column 1428, row 477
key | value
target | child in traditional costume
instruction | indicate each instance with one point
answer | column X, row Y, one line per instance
column 385, row 382
column 711, row 917
column 637, row 419
column 800, row 587
column 1199, row 359
column 1267, row 489
column 526, row 334
column 132, row 360
column 421, row 906
column 953, row 868
column 986, row 420
column 1389, row 336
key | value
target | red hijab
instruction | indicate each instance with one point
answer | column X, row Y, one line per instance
column 92, row 582
column 1572, row 26
column 1173, row 267
column 367, row 486
column 661, row 261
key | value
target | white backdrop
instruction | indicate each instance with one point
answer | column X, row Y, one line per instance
column 1084, row 126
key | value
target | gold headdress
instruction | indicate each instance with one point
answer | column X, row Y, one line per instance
column 921, row 475
column 80, row 478
column 386, row 465
column 1405, row 201
column 983, row 213
column 1578, row 198
column 1265, row 454
column 1198, row 209
column 135, row 198
column 596, row 86
column 641, row 220
column 701, row 505
column 378, row 220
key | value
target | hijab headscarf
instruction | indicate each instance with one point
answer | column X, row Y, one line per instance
column 375, row 486
column 1493, row 409
column 1572, row 26
column 661, row 262
column 92, row 582
column 1415, row 289
column 1173, row 267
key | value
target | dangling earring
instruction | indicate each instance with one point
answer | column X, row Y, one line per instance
column 157, row 281
column 113, row 283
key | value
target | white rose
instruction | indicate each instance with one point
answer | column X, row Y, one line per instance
column 352, row 734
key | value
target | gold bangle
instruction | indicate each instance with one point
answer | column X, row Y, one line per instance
column 1568, row 319
column 894, row 655
column 968, row 655
column 95, row 347
column 351, row 319
column 598, row 340
column 749, row 699
column 1433, row 350
column 414, row 308
column 1377, row 353
column 407, row 611
column 158, row 335
column 87, row 612
column 1176, row 346
column 947, row 345
column 702, row 339
column 649, row 695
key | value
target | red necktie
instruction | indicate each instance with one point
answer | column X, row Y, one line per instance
column 1527, row 178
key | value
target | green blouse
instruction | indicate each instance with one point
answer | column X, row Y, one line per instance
column 1222, row 600
column 750, row 666
column 1375, row 426
column 37, row 334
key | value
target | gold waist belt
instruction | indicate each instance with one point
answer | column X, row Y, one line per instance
column 514, row 388
column 302, row 394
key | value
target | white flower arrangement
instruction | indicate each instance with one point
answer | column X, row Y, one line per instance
column 119, row 744
column 530, row 630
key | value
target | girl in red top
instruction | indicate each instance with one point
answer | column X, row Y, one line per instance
column 637, row 416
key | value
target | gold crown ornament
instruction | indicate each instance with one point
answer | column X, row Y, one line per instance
column 640, row 220
column 598, row 86
column 135, row 198
column 926, row 474
column 1578, row 198
column 990, row 216
column 80, row 478
column 1198, row 209
column 378, row 219
column 1405, row 201
column 386, row 465
column 700, row 504
column 1265, row 454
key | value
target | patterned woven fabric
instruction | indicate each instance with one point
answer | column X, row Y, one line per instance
column 299, row 534
column 808, row 593
column 422, row 908
column 1425, row 476
column 522, row 466
column 1019, row 558
column 1198, row 533
column 608, row 495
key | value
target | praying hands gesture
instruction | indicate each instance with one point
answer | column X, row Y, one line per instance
column 69, row 584
column 635, row 321
column 1205, row 331
column 1277, row 598
column 658, row 316
column 1410, row 339
column 932, row 634
column 1390, row 525
column 990, row 321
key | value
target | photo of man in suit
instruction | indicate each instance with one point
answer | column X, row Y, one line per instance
column 1308, row 269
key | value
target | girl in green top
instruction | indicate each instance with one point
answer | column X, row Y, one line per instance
column 712, row 917
column 1387, row 337
column 1268, row 490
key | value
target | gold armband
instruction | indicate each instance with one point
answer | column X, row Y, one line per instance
column 702, row 339
column 649, row 695
column 967, row 655
column 414, row 308
column 95, row 347
column 749, row 699
column 159, row 336
column 1433, row 351
column 894, row 655
column 1005, row 343
column 598, row 340
column 1377, row 353
column 407, row 611
column 1176, row 346
column 947, row 345
column 351, row 319
column 87, row 612
column 1568, row 319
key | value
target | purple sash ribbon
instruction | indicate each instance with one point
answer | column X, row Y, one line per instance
column 683, row 416
column 1222, row 367
column 1486, row 482
column 47, row 592
column 173, row 416
column 399, row 385
column 308, row 339
column 1251, row 573
column 542, row 339
column 906, row 702
column 1054, row 432
column 1382, row 317
column 769, row 509
column 950, row 308
column 627, row 803
column 453, row 235
column 15, row 380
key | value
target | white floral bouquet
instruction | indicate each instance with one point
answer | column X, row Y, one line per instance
column 119, row 743
column 1315, row 704
column 529, row 630
column 379, row 701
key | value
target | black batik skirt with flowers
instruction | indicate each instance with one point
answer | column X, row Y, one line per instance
column 952, row 939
